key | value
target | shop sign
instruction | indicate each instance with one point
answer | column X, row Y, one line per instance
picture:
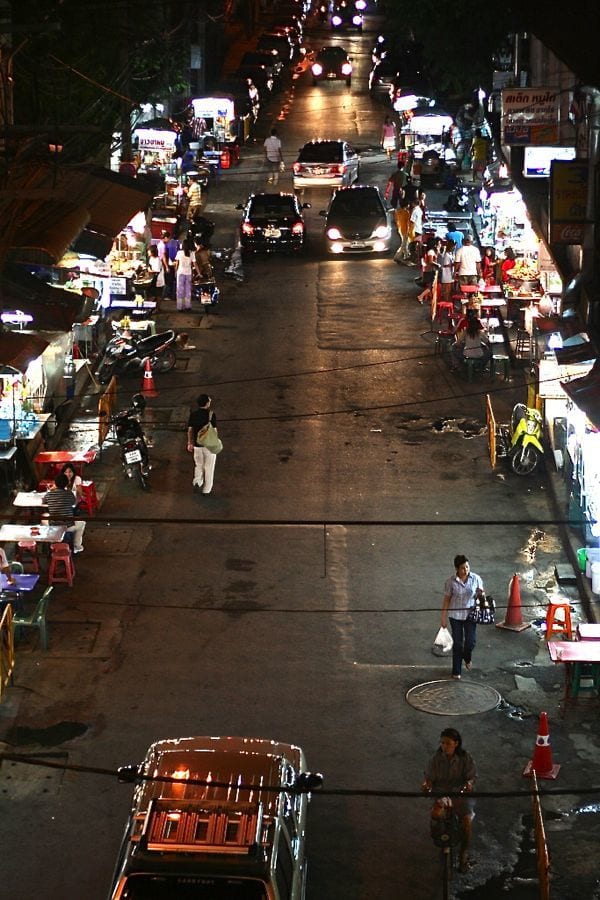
column 530, row 115
column 568, row 201
column 117, row 285
column 155, row 141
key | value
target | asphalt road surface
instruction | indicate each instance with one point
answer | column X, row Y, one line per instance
column 300, row 600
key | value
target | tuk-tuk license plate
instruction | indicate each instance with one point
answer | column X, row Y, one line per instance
column 132, row 456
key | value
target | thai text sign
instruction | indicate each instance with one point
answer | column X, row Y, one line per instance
column 568, row 200
column 530, row 115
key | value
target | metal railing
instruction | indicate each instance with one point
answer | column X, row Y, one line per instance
column 541, row 847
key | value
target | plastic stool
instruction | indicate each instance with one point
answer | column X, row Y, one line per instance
column 473, row 364
column 27, row 553
column 500, row 361
column 444, row 308
column 584, row 672
column 89, row 498
column 62, row 568
column 443, row 341
column 559, row 624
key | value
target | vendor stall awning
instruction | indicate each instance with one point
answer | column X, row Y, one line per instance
column 48, row 207
column 585, row 393
column 53, row 309
column 19, row 350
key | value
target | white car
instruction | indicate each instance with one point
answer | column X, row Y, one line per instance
column 326, row 163
column 227, row 838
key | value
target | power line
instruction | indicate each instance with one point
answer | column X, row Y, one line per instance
column 131, row 774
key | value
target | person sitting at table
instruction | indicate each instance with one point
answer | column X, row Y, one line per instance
column 5, row 567
column 474, row 345
column 61, row 503
column 470, row 315
column 74, row 480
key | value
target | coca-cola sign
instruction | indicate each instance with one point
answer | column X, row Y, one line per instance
column 566, row 234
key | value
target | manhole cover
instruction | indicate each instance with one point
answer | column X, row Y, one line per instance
column 453, row 698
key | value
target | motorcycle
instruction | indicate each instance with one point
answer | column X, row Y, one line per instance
column 521, row 441
column 132, row 441
column 323, row 11
column 124, row 352
column 232, row 260
column 201, row 228
column 459, row 199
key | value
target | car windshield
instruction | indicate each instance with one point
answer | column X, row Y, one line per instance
column 333, row 53
column 272, row 206
column 323, row 151
column 191, row 887
column 356, row 203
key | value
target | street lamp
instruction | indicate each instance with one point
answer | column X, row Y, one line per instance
column 11, row 372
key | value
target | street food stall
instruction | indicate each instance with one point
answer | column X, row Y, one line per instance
column 218, row 118
column 426, row 135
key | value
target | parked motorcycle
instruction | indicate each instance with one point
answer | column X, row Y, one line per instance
column 521, row 441
column 202, row 228
column 132, row 441
column 232, row 260
column 124, row 353
column 459, row 198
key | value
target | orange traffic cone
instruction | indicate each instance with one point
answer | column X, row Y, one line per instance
column 514, row 617
column 148, row 388
column 541, row 763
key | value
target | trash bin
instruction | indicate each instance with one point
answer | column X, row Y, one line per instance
column 582, row 558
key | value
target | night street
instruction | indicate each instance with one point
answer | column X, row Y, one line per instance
column 299, row 601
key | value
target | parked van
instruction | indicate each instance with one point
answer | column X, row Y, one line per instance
column 232, row 838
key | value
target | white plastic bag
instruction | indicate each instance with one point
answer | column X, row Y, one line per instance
column 442, row 644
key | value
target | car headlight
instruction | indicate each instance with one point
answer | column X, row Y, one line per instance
column 382, row 231
column 317, row 69
column 346, row 69
column 361, row 4
column 334, row 234
column 336, row 20
column 357, row 20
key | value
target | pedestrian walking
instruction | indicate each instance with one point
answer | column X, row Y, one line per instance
column 389, row 134
column 183, row 271
column 461, row 592
column 204, row 459
column 402, row 220
column 194, row 197
column 394, row 189
column 273, row 156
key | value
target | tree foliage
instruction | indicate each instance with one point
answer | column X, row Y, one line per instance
column 81, row 67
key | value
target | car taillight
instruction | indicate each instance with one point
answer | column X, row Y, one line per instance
column 297, row 167
column 317, row 69
column 346, row 69
column 337, row 169
column 298, row 228
column 336, row 20
column 247, row 228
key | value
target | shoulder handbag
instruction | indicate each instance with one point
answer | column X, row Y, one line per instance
column 208, row 437
column 483, row 613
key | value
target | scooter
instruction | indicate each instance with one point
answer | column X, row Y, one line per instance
column 132, row 441
column 459, row 199
column 521, row 441
column 202, row 228
column 124, row 352
column 323, row 11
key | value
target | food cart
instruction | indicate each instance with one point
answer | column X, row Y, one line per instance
column 425, row 135
column 218, row 117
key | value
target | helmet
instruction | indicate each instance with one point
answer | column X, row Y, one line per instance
column 138, row 401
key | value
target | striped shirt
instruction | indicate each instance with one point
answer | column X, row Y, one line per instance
column 462, row 595
column 60, row 503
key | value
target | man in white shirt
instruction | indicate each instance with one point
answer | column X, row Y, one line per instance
column 273, row 156
column 467, row 262
column 415, row 232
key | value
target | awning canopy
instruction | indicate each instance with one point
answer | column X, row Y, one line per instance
column 585, row 393
column 47, row 207
column 19, row 350
column 53, row 309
